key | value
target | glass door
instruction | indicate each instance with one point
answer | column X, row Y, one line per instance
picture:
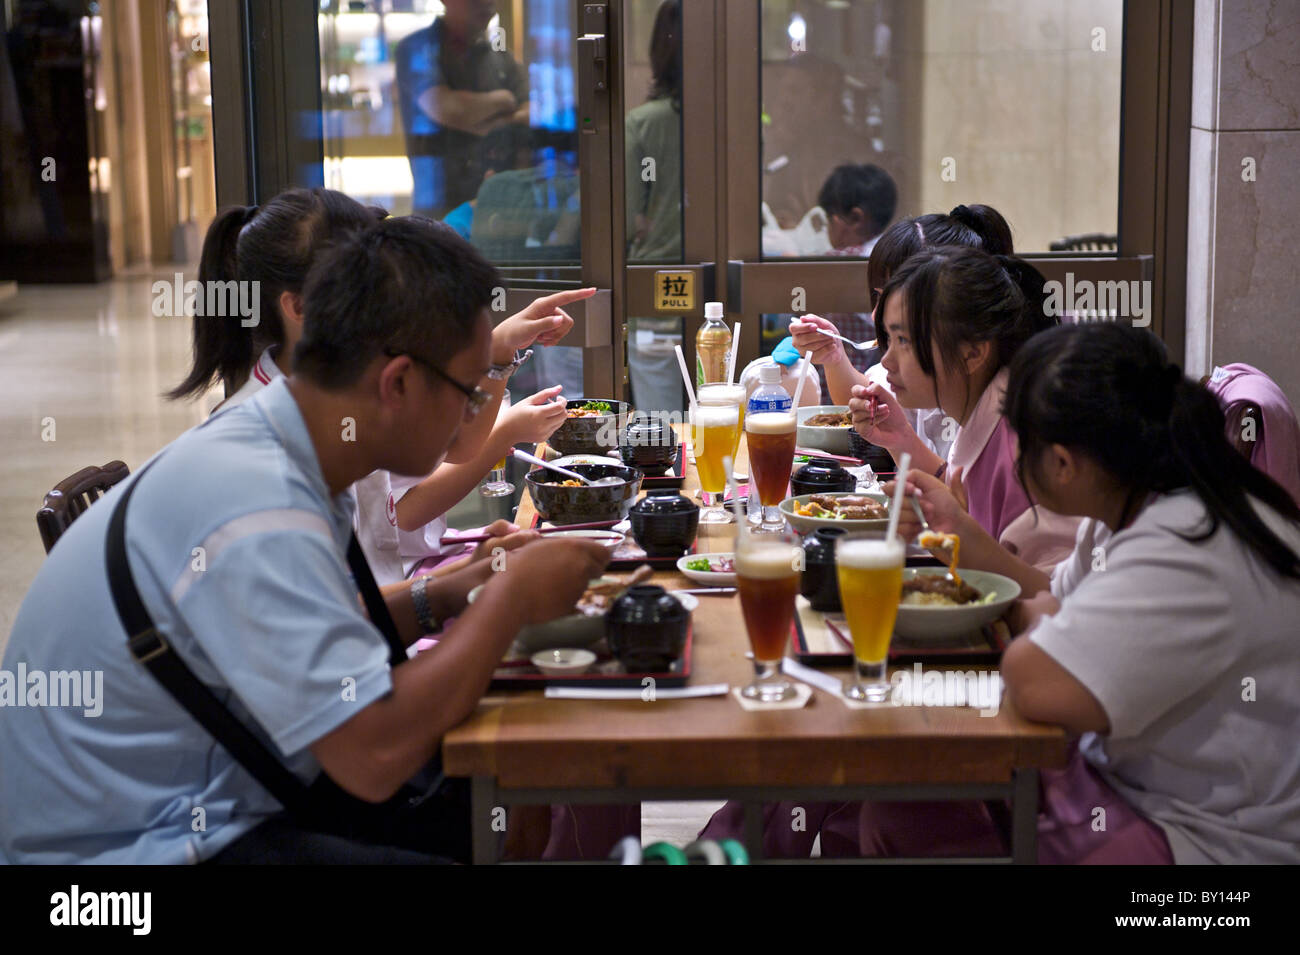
column 477, row 113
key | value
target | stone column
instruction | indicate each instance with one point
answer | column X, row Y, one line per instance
column 1243, row 248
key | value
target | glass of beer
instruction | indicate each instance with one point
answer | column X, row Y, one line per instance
column 767, row 576
column 770, row 436
column 722, row 392
column 715, row 432
column 870, row 571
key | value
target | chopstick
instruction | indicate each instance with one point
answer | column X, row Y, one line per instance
column 707, row 591
column 479, row 538
column 814, row 453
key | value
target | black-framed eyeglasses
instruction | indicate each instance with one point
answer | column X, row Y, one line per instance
column 476, row 396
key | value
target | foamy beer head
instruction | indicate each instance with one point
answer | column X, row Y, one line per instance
column 716, row 416
column 721, row 392
column 775, row 561
column 869, row 553
column 770, row 422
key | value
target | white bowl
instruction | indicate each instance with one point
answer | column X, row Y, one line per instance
column 832, row 440
column 808, row 525
column 709, row 578
column 571, row 630
column 938, row 623
column 565, row 661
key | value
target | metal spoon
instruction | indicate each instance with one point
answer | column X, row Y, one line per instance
column 589, row 482
column 860, row 346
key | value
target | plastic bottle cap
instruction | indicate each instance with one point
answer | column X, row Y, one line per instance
column 769, row 374
column 713, row 310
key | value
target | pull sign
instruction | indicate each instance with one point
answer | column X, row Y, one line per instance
column 674, row 291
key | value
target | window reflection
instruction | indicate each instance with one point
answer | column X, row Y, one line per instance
column 462, row 111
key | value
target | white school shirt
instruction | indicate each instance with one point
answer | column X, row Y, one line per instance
column 1193, row 651
column 269, row 621
column 375, row 520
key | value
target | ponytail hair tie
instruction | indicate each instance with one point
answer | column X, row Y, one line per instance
column 967, row 218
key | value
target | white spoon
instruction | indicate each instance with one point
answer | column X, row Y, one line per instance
column 598, row 482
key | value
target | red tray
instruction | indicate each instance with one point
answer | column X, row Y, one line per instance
column 521, row 675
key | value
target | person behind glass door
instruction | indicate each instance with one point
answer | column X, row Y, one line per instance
column 454, row 88
column 653, row 161
column 859, row 202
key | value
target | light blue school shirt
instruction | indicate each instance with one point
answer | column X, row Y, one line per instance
column 269, row 620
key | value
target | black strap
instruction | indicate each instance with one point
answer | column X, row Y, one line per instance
column 152, row 651
column 374, row 600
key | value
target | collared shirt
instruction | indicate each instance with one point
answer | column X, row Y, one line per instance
column 984, row 448
column 239, row 554
column 374, row 497
column 1190, row 648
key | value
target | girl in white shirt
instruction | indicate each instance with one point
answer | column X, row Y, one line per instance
column 1168, row 643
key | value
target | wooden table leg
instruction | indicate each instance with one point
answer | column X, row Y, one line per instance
column 1024, row 818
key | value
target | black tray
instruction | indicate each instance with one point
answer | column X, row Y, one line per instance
column 983, row 648
column 522, row 675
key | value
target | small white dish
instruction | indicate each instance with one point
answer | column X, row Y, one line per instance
column 563, row 661
column 610, row 537
column 710, row 578
column 689, row 601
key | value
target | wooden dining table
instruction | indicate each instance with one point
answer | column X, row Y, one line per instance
column 519, row 748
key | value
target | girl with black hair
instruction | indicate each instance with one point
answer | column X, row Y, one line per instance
column 954, row 319
column 273, row 245
column 1168, row 639
column 976, row 226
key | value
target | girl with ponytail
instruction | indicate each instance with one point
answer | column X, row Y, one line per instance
column 274, row 245
column 1168, row 642
column 953, row 319
column 975, row 226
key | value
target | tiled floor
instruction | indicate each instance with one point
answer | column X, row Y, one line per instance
column 82, row 371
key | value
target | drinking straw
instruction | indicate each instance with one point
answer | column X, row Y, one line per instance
column 686, row 375
column 731, row 362
column 900, row 483
column 735, row 494
column 803, row 376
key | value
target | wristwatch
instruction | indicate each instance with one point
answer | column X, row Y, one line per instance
column 503, row 372
column 423, row 613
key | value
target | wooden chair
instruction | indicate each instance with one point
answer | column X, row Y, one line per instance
column 71, row 496
column 1090, row 242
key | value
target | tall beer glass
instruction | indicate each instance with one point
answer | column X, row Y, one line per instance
column 767, row 576
column 870, row 570
column 770, row 436
column 722, row 392
column 715, row 430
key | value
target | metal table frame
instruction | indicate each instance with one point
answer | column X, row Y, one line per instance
column 1021, row 791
